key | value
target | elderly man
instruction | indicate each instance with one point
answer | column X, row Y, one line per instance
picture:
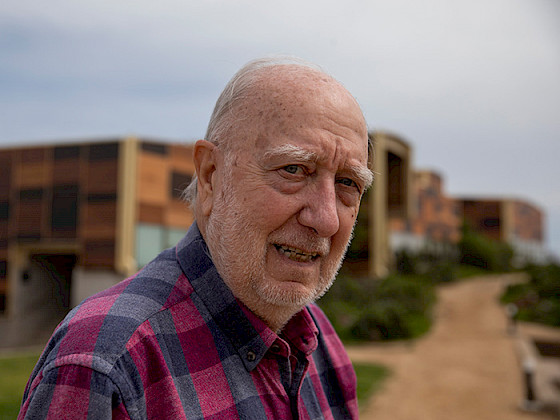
column 223, row 326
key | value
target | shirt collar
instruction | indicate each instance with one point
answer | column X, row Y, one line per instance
column 248, row 334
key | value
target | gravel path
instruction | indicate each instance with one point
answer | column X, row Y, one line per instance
column 466, row 368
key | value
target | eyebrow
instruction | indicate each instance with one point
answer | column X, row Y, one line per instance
column 361, row 173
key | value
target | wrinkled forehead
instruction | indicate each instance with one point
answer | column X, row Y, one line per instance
column 290, row 97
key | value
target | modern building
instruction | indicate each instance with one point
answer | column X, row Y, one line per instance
column 391, row 197
column 77, row 218
column 409, row 209
column 515, row 221
column 437, row 217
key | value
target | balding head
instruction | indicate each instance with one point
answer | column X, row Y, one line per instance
column 259, row 91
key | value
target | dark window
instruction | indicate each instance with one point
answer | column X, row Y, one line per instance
column 160, row 149
column 33, row 194
column 104, row 151
column 4, row 210
column 66, row 152
column 101, row 198
column 179, row 181
column 395, row 179
column 64, row 215
column 491, row 222
column 5, row 173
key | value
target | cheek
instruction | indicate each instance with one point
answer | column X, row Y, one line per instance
column 347, row 219
column 271, row 207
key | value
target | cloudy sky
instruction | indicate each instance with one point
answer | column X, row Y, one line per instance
column 473, row 85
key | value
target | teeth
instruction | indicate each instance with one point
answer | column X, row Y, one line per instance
column 296, row 254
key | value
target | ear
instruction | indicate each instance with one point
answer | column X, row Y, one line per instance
column 204, row 157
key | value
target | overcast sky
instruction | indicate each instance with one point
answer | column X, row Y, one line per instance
column 472, row 85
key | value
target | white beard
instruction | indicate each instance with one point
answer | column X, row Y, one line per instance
column 239, row 252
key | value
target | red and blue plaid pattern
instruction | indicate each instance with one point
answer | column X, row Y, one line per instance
column 174, row 343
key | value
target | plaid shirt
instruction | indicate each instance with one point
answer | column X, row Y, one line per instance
column 174, row 343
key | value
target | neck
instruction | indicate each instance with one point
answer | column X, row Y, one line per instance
column 276, row 317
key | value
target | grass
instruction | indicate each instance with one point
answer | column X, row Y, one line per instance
column 370, row 379
column 14, row 373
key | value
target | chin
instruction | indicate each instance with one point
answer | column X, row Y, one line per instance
column 290, row 294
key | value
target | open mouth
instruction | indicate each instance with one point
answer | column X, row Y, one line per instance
column 296, row 254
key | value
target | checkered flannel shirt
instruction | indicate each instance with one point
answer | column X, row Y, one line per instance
column 173, row 342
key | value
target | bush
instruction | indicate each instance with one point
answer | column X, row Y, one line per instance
column 392, row 308
column 479, row 251
column 434, row 266
column 539, row 299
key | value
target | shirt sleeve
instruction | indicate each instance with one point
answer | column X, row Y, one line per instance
column 73, row 392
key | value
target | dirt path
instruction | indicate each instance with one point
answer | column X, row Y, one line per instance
column 465, row 369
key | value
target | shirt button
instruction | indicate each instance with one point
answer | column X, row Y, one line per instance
column 275, row 348
column 251, row 356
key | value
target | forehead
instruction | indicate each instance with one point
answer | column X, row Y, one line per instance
column 307, row 109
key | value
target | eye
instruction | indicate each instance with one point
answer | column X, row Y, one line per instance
column 347, row 182
column 292, row 169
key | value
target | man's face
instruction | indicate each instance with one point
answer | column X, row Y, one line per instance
column 289, row 196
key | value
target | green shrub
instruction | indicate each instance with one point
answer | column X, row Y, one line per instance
column 479, row 251
column 437, row 264
column 538, row 300
column 392, row 308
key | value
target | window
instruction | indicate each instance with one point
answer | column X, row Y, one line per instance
column 395, row 183
column 103, row 151
column 160, row 149
column 4, row 210
column 31, row 195
column 491, row 222
column 66, row 152
column 64, row 216
column 150, row 241
column 179, row 181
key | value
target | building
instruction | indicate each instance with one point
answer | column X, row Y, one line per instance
column 515, row 221
column 437, row 217
column 409, row 209
column 391, row 197
column 77, row 218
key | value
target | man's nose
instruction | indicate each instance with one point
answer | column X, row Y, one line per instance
column 320, row 211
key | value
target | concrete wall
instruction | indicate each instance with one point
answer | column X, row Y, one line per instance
column 391, row 197
column 41, row 294
column 88, row 282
